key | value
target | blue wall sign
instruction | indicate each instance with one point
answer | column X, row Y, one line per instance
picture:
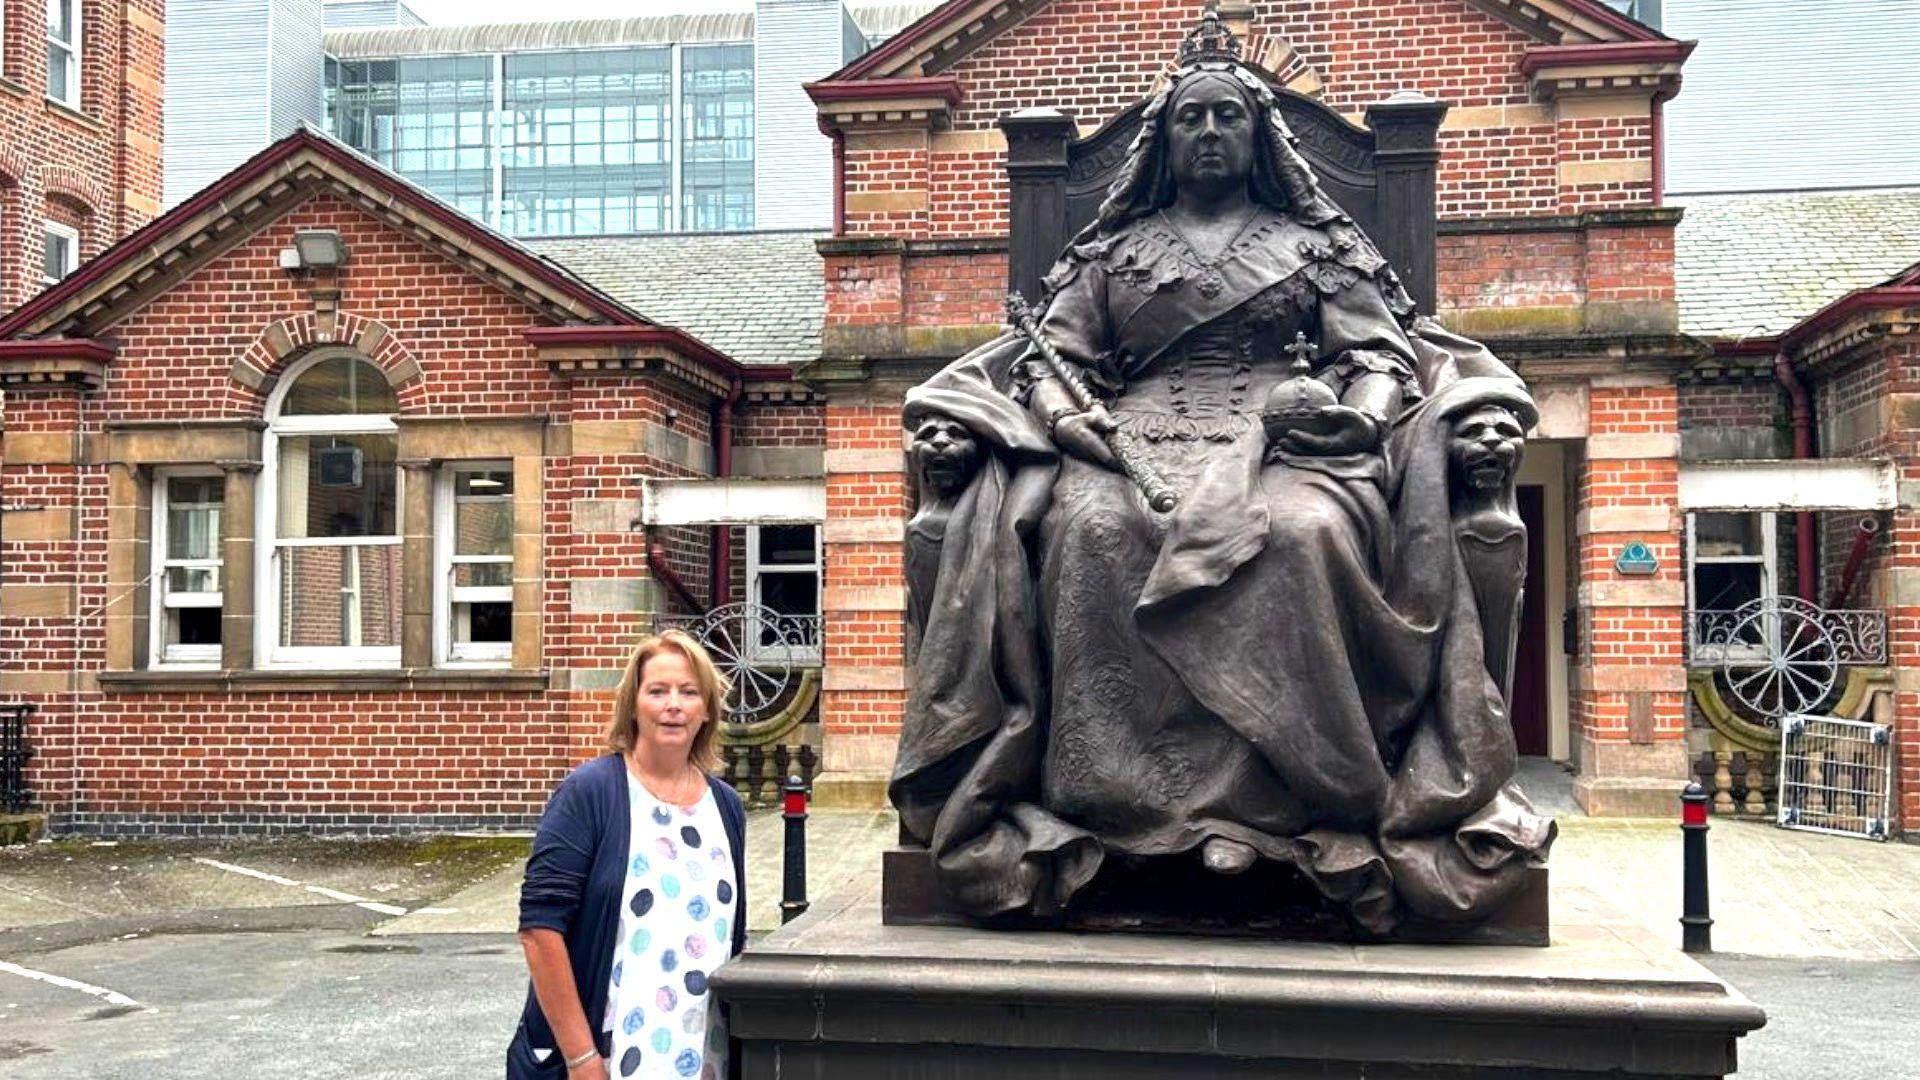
column 1636, row 558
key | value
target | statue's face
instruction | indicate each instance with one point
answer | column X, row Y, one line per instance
column 1486, row 447
column 944, row 453
column 1210, row 133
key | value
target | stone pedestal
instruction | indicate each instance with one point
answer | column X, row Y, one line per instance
column 1179, row 896
column 838, row 995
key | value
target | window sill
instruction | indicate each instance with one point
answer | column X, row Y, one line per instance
column 415, row 680
column 74, row 115
column 13, row 88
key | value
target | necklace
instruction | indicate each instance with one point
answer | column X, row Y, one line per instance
column 666, row 793
column 1210, row 282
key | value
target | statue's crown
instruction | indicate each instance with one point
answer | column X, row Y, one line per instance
column 1209, row 42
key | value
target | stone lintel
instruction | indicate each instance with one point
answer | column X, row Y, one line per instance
column 1633, row 592
column 36, row 601
column 1650, row 446
column 41, row 448
column 467, row 438
column 1626, row 519
column 866, row 461
column 844, row 677
column 614, row 596
column 36, row 524
column 879, row 530
column 863, row 598
column 1628, row 677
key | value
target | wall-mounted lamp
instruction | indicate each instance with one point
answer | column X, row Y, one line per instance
column 318, row 249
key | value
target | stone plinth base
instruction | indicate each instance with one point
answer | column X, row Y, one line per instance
column 21, row 828
column 844, row 790
column 836, row 995
column 1178, row 895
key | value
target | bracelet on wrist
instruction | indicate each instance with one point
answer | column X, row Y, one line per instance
column 575, row 1062
column 1057, row 415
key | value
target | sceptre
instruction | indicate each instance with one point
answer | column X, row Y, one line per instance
column 1158, row 494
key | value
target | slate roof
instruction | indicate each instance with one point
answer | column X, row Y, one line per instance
column 758, row 297
column 1754, row 265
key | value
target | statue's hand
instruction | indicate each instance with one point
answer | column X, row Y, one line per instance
column 1338, row 430
column 1082, row 435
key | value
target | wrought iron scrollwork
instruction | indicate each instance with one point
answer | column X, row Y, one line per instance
column 757, row 648
column 1780, row 655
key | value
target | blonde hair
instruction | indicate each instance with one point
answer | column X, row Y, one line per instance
column 624, row 728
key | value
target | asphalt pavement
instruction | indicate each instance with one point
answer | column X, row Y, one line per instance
column 309, row 959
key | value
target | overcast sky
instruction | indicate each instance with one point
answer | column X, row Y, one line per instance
column 453, row 12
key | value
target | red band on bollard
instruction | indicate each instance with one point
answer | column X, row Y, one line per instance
column 794, row 802
column 1693, row 813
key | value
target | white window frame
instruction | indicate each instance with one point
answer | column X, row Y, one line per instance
column 803, row 655
column 1768, row 561
column 72, row 236
column 447, row 649
column 70, row 95
column 160, row 600
column 268, row 545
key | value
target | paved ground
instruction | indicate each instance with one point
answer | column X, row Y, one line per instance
column 1830, row 1019
column 321, row 958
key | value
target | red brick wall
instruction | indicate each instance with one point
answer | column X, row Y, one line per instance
column 99, row 168
column 1886, row 375
column 1499, row 158
column 1630, row 622
column 360, row 760
column 1750, row 403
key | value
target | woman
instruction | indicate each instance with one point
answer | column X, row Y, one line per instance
column 636, row 889
column 1287, row 666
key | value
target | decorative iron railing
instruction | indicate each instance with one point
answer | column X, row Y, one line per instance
column 1764, row 627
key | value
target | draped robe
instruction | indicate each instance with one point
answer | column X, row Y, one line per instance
column 1295, row 657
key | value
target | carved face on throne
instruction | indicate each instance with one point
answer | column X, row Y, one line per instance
column 944, row 455
column 1485, row 451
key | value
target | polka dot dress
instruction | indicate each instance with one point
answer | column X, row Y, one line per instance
column 676, row 925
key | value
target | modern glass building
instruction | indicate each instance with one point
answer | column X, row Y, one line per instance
column 569, row 142
column 593, row 127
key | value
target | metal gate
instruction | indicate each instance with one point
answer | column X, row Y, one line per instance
column 14, row 752
column 1836, row 776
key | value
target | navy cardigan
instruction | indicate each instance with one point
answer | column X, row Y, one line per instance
column 575, row 877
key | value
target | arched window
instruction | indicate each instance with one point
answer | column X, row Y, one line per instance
column 329, row 586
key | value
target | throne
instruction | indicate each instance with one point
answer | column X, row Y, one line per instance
column 1382, row 175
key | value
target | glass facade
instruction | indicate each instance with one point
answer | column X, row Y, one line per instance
column 716, row 92
column 575, row 143
column 427, row 119
column 586, row 144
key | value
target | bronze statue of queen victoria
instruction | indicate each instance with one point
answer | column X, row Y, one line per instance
column 1305, row 660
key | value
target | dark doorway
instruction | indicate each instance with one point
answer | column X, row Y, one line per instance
column 1529, row 706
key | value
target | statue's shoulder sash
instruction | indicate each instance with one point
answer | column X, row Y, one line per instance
column 1160, row 288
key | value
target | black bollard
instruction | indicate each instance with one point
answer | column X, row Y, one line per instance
column 793, row 898
column 1696, row 927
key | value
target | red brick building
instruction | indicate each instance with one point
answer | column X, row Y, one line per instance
column 80, row 95
column 323, row 509
column 1553, row 247
column 501, row 473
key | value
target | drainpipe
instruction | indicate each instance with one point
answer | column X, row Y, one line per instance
column 721, row 545
column 1802, row 414
column 839, row 181
column 1658, row 120
column 663, row 572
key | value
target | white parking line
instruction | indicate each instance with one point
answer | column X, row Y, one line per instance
column 320, row 890
column 111, row 997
